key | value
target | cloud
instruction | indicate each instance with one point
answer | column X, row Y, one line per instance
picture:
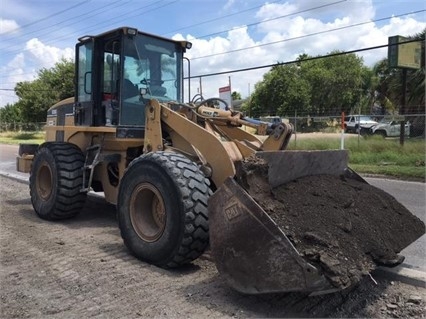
column 293, row 35
column 7, row 26
column 25, row 65
column 228, row 4
column 308, row 31
column 16, row 72
column 46, row 56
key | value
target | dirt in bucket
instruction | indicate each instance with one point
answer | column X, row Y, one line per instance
column 344, row 226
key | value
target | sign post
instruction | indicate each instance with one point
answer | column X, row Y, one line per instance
column 225, row 94
column 405, row 56
column 342, row 138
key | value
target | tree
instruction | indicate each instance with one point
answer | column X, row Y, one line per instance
column 384, row 87
column 369, row 101
column 235, row 96
column 10, row 113
column 416, row 80
column 314, row 86
column 388, row 86
column 279, row 93
column 336, row 83
column 51, row 86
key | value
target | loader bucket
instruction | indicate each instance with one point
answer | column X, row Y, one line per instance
column 250, row 251
column 254, row 255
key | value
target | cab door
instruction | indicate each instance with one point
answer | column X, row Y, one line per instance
column 84, row 102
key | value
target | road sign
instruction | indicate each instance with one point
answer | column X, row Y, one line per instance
column 404, row 55
column 225, row 94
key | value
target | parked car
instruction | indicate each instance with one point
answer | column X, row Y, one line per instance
column 390, row 128
column 359, row 123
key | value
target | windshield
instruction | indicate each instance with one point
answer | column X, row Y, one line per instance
column 153, row 64
column 131, row 64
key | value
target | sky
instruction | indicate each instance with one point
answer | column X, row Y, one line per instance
column 226, row 35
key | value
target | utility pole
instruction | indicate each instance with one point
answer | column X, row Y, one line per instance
column 403, row 106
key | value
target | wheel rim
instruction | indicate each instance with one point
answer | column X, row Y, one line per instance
column 44, row 181
column 147, row 212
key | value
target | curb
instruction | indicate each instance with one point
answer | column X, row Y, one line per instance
column 403, row 274
column 21, row 178
column 16, row 177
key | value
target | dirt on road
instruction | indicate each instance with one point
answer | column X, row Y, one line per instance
column 80, row 268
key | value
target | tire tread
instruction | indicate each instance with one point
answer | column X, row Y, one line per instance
column 69, row 161
column 195, row 190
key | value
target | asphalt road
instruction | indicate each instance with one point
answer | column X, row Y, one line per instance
column 410, row 194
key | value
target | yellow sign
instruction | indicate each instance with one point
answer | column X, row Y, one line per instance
column 404, row 55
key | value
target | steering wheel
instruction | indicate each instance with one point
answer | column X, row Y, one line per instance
column 209, row 101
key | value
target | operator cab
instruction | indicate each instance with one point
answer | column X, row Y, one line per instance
column 118, row 72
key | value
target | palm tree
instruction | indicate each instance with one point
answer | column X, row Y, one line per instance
column 389, row 87
column 416, row 80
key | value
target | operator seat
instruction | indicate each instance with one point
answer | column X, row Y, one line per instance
column 129, row 89
column 132, row 112
column 157, row 90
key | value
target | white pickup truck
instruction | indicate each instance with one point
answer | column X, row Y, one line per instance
column 390, row 128
column 358, row 123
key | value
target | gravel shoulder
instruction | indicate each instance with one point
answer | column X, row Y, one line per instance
column 81, row 268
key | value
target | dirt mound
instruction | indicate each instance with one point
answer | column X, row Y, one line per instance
column 344, row 226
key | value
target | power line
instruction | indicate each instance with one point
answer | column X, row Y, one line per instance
column 301, row 61
column 272, row 19
column 50, row 16
column 156, row 2
column 294, row 38
column 116, row 17
column 284, row 63
column 79, row 16
column 289, row 39
column 219, row 18
column 108, row 22
column 305, row 36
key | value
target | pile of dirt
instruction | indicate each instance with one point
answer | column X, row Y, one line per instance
column 344, row 226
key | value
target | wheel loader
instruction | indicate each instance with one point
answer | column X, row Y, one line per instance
column 169, row 166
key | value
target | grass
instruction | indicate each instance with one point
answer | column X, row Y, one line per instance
column 375, row 155
column 21, row 137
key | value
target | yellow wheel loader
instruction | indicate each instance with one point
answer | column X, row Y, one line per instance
column 171, row 168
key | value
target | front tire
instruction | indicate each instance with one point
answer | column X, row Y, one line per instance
column 162, row 209
column 381, row 133
column 56, row 179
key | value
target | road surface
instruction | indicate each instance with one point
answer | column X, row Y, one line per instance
column 410, row 194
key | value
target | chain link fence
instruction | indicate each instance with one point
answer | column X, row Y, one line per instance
column 386, row 126
column 21, row 127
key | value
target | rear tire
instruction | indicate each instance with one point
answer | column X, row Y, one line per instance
column 56, row 179
column 162, row 209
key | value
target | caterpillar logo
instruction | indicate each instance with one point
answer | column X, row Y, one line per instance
column 232, row 212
